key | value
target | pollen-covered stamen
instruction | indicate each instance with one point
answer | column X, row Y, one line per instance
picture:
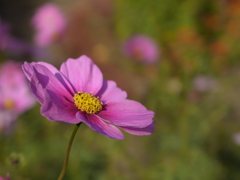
column 87, row 103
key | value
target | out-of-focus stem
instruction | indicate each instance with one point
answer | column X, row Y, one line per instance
column 68, row 152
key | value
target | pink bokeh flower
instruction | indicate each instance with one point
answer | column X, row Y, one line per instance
column 204, row 83
column 7, row 177
column 77, row 93
column 15, row 97
column 142, row 48
column 49, row 23
column 236, row 138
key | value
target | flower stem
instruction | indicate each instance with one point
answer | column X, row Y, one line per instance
column 68, row 152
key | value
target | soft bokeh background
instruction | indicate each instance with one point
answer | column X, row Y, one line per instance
column 193, row 89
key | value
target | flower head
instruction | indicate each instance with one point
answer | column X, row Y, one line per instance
column 15, row 97
column 142, row 48
column 49, row 23
column 7, row 177
column 77, row 93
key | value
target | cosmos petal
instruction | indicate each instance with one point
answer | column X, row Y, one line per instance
column 140, row 131
column 58, row 102
column 111, row 93
column 55, row 108
column 39, row 73
column 28, row 68
column 96, row 124
column 59, row 76
column 50, row 67
column 35, row 86
column 127, row 113
column 51, row 82
column 83, row 74
column 37, row 90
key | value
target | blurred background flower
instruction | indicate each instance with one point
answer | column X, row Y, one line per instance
column 142, row 48
column 15, row 96
column 13, row 45
column 7, row 177
column 49, row 23
column 204, row 83
column 236, row 138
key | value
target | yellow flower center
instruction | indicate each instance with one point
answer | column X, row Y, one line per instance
column 87, row 103
column 8, row 104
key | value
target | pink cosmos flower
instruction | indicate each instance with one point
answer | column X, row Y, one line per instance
column 15, row 97
column 77, row 93
column 7, row 177
column 142, row 48
column 49, row 23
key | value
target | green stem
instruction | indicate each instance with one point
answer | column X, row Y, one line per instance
column 68, row 152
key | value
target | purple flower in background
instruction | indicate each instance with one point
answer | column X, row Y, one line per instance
column 142, row 48
column 13, row 45
column 49, row 23
column 204, row 83
column 8, row 42
column 77, row 93
column 7, row 177
column 15, row 97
